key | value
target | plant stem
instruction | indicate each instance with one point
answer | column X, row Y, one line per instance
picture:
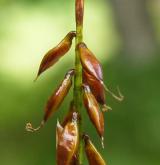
column 79, row 12
column 78, row 89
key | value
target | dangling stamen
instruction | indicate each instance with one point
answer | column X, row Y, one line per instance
column 106, row 108
column 119, row 98
column 30, row 128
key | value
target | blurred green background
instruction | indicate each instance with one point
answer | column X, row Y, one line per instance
column 124, row 35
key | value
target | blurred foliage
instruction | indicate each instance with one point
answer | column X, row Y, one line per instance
column 28, row 29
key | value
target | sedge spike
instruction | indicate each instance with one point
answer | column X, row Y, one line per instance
column 89, row 89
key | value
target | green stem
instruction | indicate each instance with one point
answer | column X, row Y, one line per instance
column 78, row 89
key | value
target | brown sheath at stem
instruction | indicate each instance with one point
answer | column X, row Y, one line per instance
column 53, row 55
column 93, row 109
column 67, row 142
column 93, row 156
column 69, row 115
column 55, row 100
column 79, row 12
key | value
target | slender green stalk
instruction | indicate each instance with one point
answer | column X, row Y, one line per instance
column 78, row 89
column 79, row 12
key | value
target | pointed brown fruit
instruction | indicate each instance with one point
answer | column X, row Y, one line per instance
column 93, row 109
column 58, row 96
column 97, row 89
column 95, row 86
column 53, row 55
column 93, row 156
column 89, row 62
column 67, row 142
column 55, row 100
column 92, row 66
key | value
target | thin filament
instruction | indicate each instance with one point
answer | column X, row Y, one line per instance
column 30, row 128
column 106, row 108
column 119, row 98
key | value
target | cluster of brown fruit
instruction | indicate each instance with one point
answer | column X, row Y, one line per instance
column 92, row 87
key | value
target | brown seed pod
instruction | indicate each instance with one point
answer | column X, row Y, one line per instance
column 93, row 109
column 68, row 118
column 67, row 142
column 93, row 67
column 79, row 12
column 96, row 87
column 93, row 156
column 55, row 100
column 89, row 62
column 58, row 96
column 53, row 55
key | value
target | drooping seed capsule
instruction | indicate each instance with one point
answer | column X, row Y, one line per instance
column 93, row 109
column 58, row 96
column 67, row 142
column 93, row 156
column 59, row 131
column 68, row 118
column 55, row 100
column 93, row 67
column 79, row 12
column 89, row 62
column 97, row 90
column 96, row 87
column 53, row 55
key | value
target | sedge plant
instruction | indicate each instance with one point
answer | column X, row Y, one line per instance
column 89, row 90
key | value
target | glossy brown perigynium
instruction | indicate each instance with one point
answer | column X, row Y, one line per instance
column 53, row 55
column 93, row 156
column 95, row 86
column 67, row 141
column 93, row 109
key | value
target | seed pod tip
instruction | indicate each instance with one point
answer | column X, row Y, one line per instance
column 36, row 78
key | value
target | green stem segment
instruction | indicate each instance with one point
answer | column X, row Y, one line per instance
column 78, row 89
column 79, row 12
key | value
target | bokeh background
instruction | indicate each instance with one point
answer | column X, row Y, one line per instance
column 125, row 36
